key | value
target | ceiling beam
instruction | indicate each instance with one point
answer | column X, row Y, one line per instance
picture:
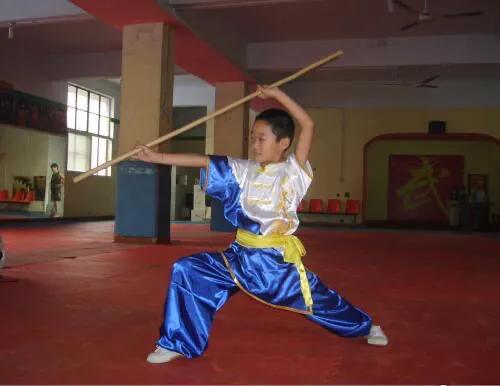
column 414, row 51
column 192, row 53
column 223, row 4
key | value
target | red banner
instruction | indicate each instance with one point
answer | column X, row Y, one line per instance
column 420, row 187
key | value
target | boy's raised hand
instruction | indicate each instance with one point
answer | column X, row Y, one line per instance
column 146, row 154
column 305, row 136
column 266, row 92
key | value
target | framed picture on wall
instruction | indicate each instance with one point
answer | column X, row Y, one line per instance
column 478, row 187
column 419, row 186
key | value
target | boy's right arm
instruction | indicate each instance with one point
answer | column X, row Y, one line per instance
column 188, row 160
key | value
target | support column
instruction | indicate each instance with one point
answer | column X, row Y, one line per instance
column 147, row 83
column 229, row 137
column 143, row 204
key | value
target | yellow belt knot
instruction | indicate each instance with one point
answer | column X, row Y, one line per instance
column 293, row 251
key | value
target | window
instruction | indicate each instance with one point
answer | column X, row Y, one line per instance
column 90, row 138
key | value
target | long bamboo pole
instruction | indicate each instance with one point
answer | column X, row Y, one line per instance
column 199, row 121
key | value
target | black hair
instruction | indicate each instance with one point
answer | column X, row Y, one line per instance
column 54, row 165
column 281, row 123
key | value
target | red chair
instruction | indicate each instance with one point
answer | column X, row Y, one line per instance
column 352, row 207
column 4, row 195
column 316, row 205
column 30, row 196
column 302, row 206
column 333, row 206
column 19, row 196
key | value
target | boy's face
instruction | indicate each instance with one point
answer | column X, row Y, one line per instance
column 55, row 169
column 265, row 146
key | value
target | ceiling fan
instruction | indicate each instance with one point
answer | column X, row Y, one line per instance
column 426, row 83
column 425, row 16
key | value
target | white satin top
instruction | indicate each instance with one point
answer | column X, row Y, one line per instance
column 271, row 194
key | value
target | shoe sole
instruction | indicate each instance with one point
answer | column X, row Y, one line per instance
column 378, row 341
column 167, row 361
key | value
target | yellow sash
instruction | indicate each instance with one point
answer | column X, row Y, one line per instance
column 293, row 252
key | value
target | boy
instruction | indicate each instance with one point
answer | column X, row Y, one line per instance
column 260, row 197
column 56, row 183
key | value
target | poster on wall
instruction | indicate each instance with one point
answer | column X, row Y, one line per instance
column 26, row 110
column 420, row 187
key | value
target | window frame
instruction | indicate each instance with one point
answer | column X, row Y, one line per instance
column 109, row 139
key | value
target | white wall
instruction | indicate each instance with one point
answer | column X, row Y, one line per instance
column 190, row 90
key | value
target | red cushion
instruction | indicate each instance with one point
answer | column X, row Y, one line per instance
column 352, row 206
column 19, row 196
column 30, row 196
column 333, row 206
column 4, row 194
column 316, row 205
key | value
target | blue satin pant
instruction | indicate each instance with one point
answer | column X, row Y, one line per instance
column 201, row 284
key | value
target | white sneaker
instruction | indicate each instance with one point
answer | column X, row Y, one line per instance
column 377, row 337
column 162, row 355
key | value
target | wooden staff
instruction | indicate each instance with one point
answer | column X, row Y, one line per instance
column 195, row 123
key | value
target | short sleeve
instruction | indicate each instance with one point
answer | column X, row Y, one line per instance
column 219, row 180
column 300, row 176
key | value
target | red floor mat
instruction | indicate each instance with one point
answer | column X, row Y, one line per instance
column 92, row 319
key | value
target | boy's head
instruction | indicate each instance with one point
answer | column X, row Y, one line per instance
column 272, row 135
column 54, row 167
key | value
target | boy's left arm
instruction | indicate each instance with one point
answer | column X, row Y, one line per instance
column 305, row 136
